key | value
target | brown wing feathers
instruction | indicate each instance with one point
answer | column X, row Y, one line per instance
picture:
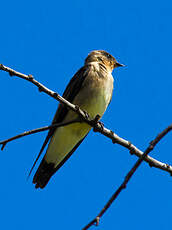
column 46, row 170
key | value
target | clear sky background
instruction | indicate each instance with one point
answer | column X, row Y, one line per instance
column 50, row 39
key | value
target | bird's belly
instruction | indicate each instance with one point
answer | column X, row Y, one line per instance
column 94, row 106
column 95, row 101
column 64, row 140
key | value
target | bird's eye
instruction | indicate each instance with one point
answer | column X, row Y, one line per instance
column 108, row 56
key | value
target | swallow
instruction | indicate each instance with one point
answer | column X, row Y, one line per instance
column 91, row 89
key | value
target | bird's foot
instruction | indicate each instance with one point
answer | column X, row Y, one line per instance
column 97, row 123
column 87, row 116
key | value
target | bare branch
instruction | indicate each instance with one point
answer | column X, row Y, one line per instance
column 151, row 146
column 134, row 150
column 94, row 123
column 33, row 131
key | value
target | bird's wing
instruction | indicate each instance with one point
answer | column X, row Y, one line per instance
column 69, row 94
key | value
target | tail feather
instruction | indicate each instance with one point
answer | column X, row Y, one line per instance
column 43, row 174
column 46, row 170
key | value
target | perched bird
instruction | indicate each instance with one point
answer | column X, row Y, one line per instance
column 91, row 89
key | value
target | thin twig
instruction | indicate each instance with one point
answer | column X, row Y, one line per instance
column 97, row 126
column 151, row 146
column 33, row 131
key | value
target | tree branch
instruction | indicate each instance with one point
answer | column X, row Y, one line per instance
column 151, row 146
column 97, row 127
column 33, row 131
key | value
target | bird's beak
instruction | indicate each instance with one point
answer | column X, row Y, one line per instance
column 119, row 65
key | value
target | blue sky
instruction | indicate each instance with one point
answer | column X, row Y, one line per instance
column 50, row 40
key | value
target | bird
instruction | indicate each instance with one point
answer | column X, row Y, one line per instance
column 91, row 89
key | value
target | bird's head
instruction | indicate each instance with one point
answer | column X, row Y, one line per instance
column 104, row 58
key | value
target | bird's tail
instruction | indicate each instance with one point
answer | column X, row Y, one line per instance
column 43, row 174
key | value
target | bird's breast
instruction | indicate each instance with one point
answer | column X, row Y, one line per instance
column 95, row 95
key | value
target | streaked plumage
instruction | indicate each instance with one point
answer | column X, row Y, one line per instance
column 91, row 89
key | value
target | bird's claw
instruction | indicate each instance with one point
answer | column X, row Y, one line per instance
column 101, row 125
column 97, row 123
column 86, row 115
